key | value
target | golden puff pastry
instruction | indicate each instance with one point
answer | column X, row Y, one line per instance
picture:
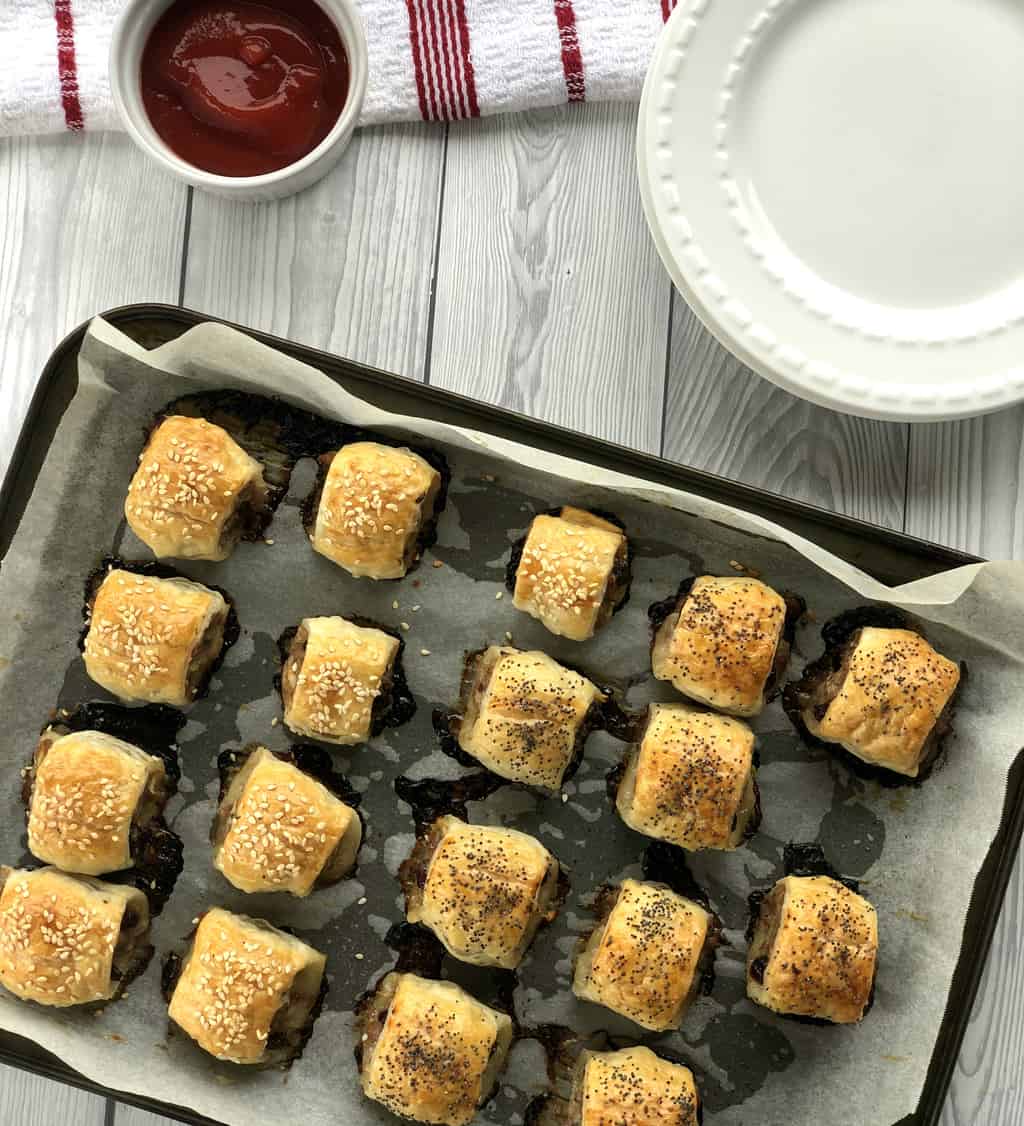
column 247, row 992
column 525, row 716
column 90, row 793
column 430, row 1051
column 721, row 643
column 573, row 572
column 646, row 959
column 691, row 780
column 374, row 507
column 195, row 491
column 481, row 889
column 633, row 1087
column 278, row 829
column 153, row 639
column 814, row 950
column 336, row 675
column 69, row 940
column 885, row 697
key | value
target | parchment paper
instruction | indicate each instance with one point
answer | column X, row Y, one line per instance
column 917, row 851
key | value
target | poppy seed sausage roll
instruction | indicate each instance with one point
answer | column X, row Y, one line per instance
column 691, row 779
column 429, row 1051
column 813, row 950
column 483, row 890
column 722, row 643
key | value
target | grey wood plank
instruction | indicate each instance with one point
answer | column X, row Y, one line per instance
column 550, row 296
column 345, row 266
column 723, row 418
column 964, row 484
column 29, row 1100
column 74, row 241
column 964, row 490
column 988, row 1084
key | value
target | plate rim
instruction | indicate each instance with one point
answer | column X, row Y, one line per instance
column 837, row 400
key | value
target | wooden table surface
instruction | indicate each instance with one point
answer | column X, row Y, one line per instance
column 507, row 260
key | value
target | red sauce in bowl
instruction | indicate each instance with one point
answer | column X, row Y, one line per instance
column 241, row 89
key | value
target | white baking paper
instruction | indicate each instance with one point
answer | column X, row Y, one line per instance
column 916, row 850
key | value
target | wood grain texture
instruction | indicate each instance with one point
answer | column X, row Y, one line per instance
column 74, row 241
column 964, row 484
column 29, row 1100
column 345, row 266
column 550, row 296
column 988, row 1084
column 723, row 418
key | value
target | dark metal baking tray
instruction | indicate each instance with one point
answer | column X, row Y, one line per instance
column 890, row 556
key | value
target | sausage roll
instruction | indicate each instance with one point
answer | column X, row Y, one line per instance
column 376, row 506
column 338, row 680
column 647, row 958
column 247, row 992
column 884, row 695
column 430, row 1051
column 691, row 780
column 195, row 492
column 278, row 829
column 92, row 798
column 482, row 890
column 722, row 643
column 813, row 950
column 70, row 940
column 572, row 572
column 524, row 716
column 633, row 1087
column 153, row 639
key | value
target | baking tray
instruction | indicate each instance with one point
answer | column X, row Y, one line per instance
column 892, row 557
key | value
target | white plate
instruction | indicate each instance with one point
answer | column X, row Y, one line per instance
column 837, row 188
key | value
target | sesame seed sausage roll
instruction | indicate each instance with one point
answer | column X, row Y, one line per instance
column 70, row 940
column 247, row 992
column 278, row 829
column 646, row 959
column 813, row 951
column 337, row 680
column 195, row 493
column 375, row 508
column 632, row 1087
column 430, row 1051
column 482, row 890
column 153, row 640
column 691, row 780
column 525, row 717
column 884, row 695
column 573, row 572
column 91, row 799
column 723, row 643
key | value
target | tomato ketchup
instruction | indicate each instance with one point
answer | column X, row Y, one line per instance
column 241, row 89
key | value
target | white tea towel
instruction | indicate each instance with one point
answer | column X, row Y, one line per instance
column 429, row 59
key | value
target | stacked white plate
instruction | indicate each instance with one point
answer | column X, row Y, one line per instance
column 837, row 189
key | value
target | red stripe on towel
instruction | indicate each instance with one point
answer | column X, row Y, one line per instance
column 572, row 58
column 468, row 74
column 67, row 67
column 438, row 62
column 667, row 8
column 417, row 61
column 441, row 15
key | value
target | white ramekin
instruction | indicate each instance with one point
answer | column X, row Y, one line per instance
column 131, row 32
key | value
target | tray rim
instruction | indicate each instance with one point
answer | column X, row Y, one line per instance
column 985, row 908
